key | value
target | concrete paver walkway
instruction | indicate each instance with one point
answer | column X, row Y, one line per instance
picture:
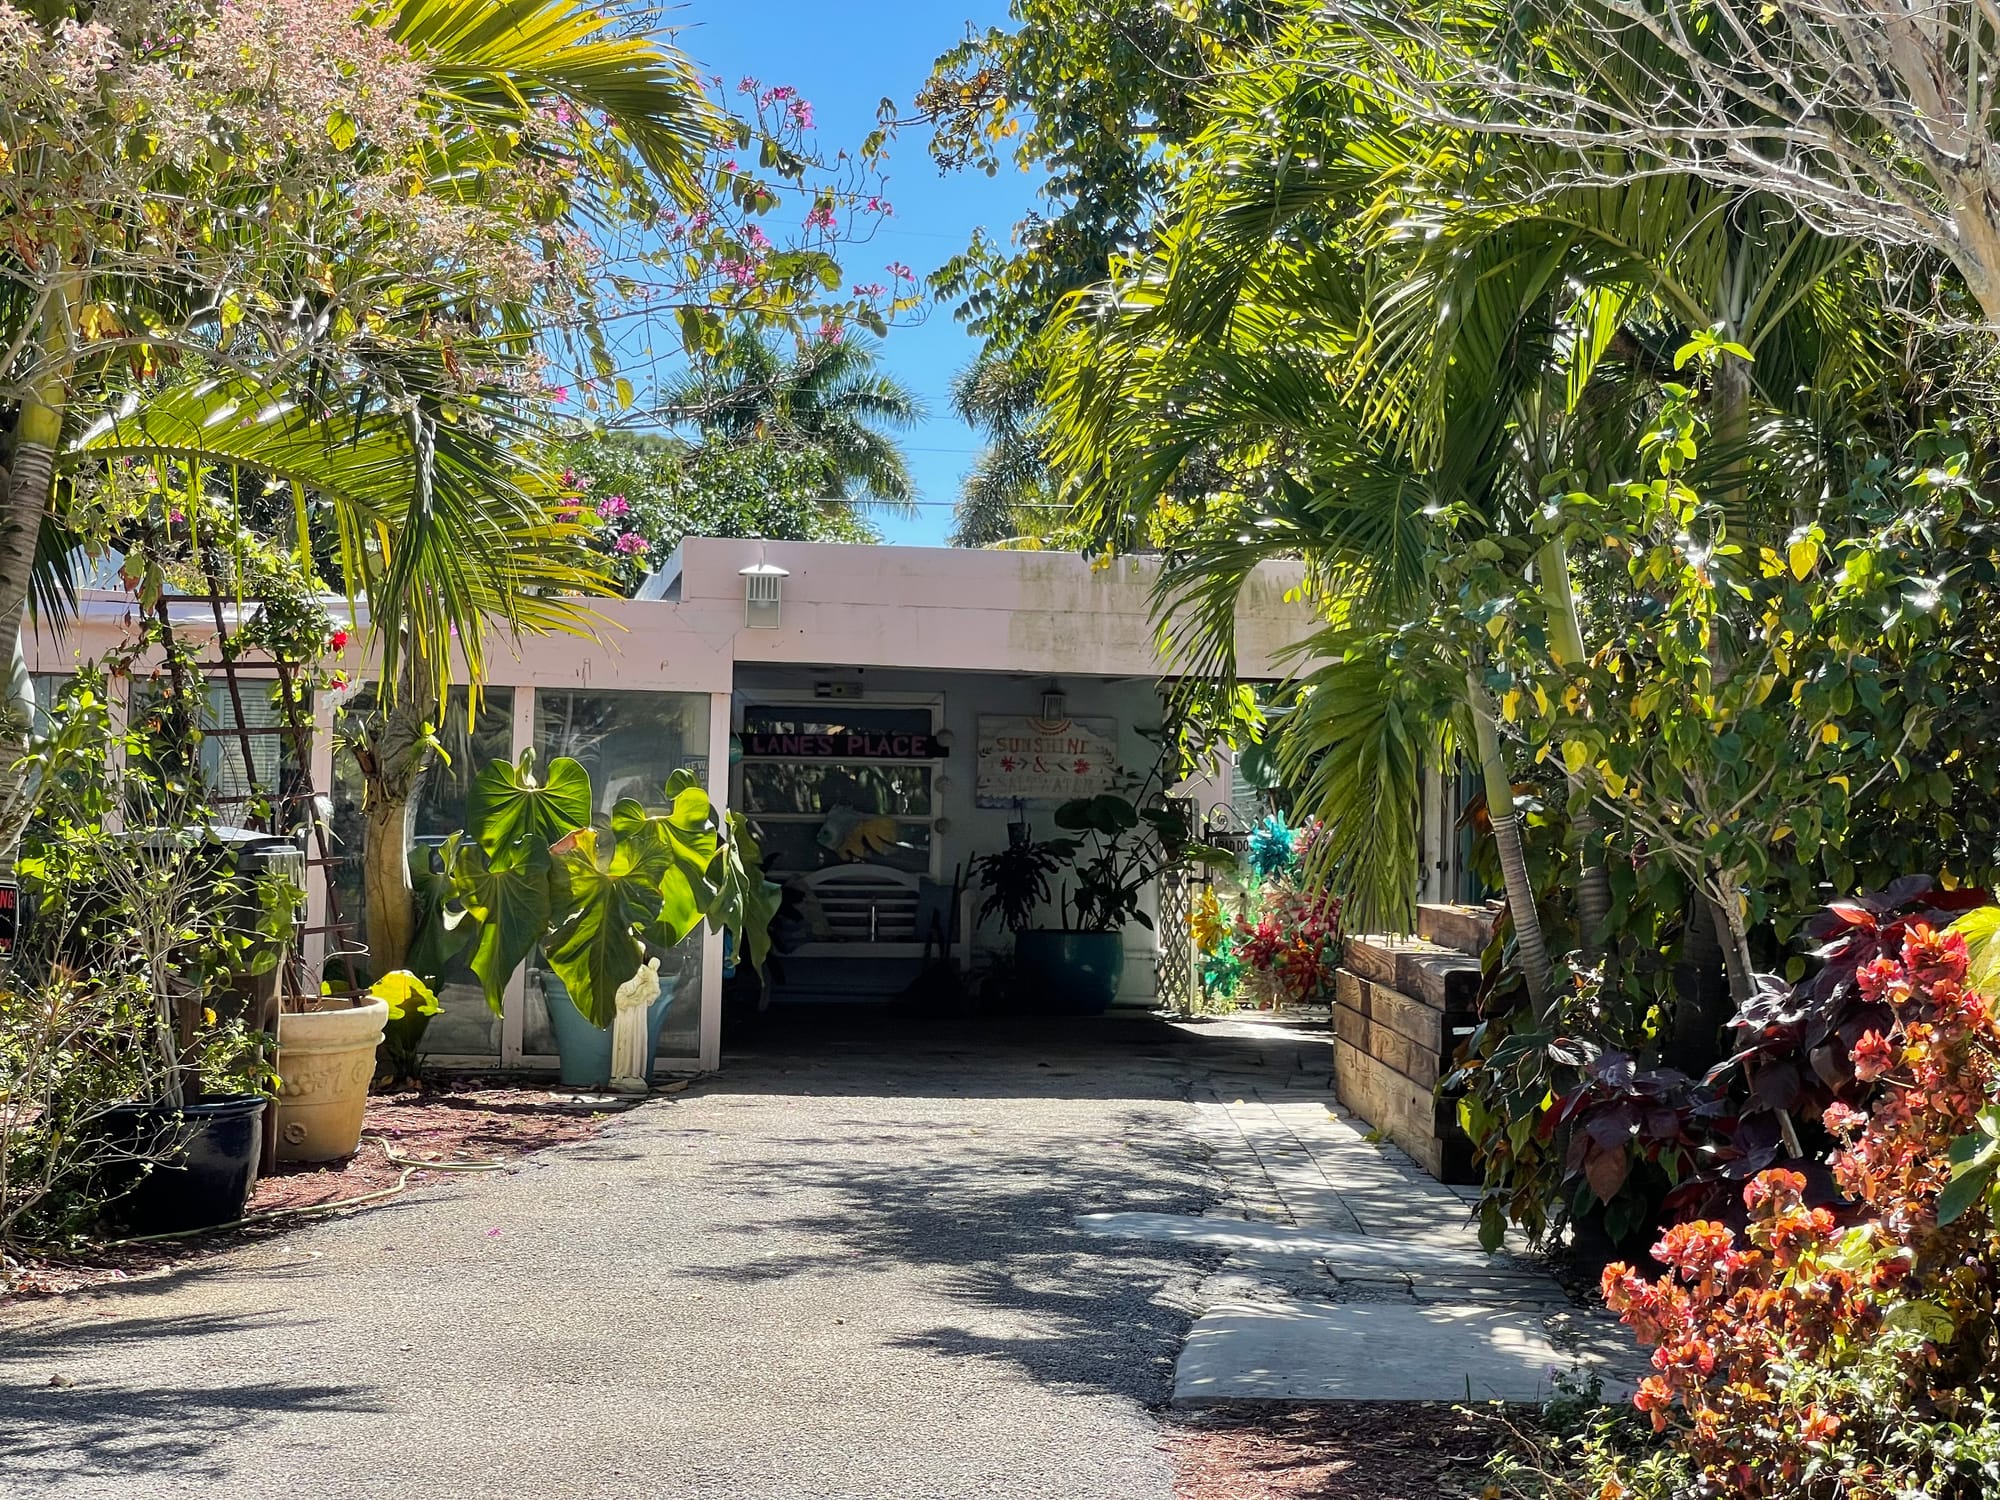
column 1352, row 1275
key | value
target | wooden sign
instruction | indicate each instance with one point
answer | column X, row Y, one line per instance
column 1044, row 762
column 10, row 916
column 847, row 745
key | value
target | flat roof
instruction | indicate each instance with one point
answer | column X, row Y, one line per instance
column 918, row 608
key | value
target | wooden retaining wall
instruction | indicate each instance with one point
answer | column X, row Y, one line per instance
column 1401, row 1007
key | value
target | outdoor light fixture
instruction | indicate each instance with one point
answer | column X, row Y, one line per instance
column 763, row 594
column 1055, row 705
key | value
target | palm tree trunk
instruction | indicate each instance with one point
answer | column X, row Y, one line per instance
column 1593, row 890
column 30, row 484
column 395, row 757
column 1528, row 937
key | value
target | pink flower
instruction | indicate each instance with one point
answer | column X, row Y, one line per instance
column 613, row 506
column 1872, row 1056
column 801, row 113
column 755, row 238
column 559, row 393
column 900, row 271
column 566, row 513
column 821, row 217
column 630, row 544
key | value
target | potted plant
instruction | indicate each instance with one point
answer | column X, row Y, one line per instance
column 604, row 904
column 1120, row 846
column 169, row 922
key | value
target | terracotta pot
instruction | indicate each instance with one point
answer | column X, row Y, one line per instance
column 326, row 1060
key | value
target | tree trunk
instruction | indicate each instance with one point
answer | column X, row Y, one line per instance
column 1529, row 941
column 395, row 757
column 1593, row 888
column 1701, row 990
column 1727, row 907
column 30, row 486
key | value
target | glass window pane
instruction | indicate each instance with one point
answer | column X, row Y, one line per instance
column 464, row 1025
column 629, row 742
column 821, row 786
column 835, row 718
column 795, row 847
column 233, row 766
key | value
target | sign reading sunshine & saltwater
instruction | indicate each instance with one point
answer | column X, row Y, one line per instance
column 1044, row 762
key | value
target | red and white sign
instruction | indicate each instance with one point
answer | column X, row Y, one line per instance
column 1044, row 762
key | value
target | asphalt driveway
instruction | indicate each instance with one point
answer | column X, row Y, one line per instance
column 841, row 1269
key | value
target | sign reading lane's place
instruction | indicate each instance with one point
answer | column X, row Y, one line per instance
column 857, row 744
column 1044, row 762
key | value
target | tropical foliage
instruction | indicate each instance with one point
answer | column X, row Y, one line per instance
column 532, row 871
column 827, row 399
column 638, row 495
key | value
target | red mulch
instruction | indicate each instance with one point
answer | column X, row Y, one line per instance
column 452, row 1122
column 1362, row 1450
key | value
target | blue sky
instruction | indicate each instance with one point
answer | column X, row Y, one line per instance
column 845, row 57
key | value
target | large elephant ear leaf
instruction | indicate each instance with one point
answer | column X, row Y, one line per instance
column 510, row 896
column 693, row 836
column 508, row 803
column 444, row 926
column 745, row 902
column 612, row 903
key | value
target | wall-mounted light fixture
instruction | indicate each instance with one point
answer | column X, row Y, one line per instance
column 763, row 594
column 1055, row 704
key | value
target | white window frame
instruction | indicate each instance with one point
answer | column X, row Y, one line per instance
column 747, row 699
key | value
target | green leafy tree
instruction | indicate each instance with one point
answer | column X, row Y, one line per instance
column 639, row 495
column 444, row 189
column 826, row 397
column 1009, row 495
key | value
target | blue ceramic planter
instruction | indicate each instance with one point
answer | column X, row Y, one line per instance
column 1070, row 973
column 584, row 1049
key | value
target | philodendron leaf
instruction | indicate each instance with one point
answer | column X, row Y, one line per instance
column 612, row 904
column 510, row 895
column 656, row 849
column 405, row 994
column 509, row 804
column 745, row 902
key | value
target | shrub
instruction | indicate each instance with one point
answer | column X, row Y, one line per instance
column 1828, row 1352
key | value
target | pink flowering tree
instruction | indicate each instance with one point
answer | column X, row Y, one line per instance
column 374, row 254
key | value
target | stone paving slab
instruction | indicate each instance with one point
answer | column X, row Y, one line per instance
column 1352, row 1275
column 1292, row 1350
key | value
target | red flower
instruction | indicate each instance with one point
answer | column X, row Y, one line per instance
column 1872, row 1056
column 337, row 641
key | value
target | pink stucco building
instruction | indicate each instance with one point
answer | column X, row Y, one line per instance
column 838, row 695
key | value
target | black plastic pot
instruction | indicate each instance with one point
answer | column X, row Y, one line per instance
column 204, row 1160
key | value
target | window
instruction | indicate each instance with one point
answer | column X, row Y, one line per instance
column 812, row 811
column 630, row 743
column 240, row 772
column 464, row 1026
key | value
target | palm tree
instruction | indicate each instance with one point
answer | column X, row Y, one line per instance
column 1008, row 494
column 1379, row 363
column 826, row 394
